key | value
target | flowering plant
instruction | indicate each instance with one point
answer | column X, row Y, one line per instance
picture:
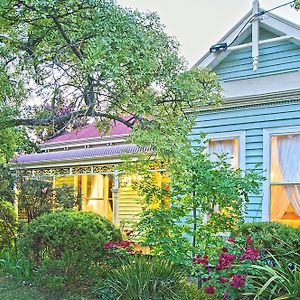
column 229, row 274
column 120, row 251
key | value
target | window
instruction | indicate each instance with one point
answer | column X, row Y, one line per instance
column 232, row 144
column 230, row 147
column 285, row 179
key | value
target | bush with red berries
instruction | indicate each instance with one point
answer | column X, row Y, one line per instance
column 229, row 275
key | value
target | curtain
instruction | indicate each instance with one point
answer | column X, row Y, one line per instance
column 229, row 147
column 285, row 167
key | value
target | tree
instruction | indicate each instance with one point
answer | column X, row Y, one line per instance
column 92, row 58
column 199, row 189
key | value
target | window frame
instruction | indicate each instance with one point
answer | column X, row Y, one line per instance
column 268, row 133
column 240, row 135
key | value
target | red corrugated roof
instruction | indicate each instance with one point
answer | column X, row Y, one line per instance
column 91, row 131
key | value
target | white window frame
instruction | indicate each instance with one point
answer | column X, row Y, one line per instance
column 240, row 135
column 267, row 135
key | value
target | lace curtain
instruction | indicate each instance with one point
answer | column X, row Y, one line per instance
column 229, row 147
column 285, row 167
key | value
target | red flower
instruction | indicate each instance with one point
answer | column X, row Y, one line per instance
column 225, row 260
column 210, row 290
column 238, row 280
column 198, row 260
column 225, row 295
column 223, row 280
column 251, row 254
column 249, row 240
column 109, row 245
column 231, row 240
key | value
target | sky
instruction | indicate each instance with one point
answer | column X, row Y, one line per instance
column 198, row 24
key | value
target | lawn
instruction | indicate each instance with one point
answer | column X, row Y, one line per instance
column 14, row 290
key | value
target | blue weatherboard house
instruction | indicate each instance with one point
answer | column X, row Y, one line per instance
column 258, row 64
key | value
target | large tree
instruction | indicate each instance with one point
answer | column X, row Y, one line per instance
column 78, row 59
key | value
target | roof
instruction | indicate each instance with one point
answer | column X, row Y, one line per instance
column 91, row 131
column 79, row 154
column 272, row 22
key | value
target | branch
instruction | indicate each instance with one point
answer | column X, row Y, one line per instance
column 50, row 121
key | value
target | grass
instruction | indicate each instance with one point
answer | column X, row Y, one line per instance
column 10, row 289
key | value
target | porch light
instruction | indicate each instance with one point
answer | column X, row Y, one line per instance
column 218, row 47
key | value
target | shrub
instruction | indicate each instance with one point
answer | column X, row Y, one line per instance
column 146, row 278
column 229, row 274
column 8, row 224
column 67, row 247
column 282, row 241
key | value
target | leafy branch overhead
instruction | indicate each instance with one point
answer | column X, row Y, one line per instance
column 92, row 58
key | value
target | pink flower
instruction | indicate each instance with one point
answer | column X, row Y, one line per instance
column 210, row 290
column 44, row 190
column 223, row 280
column 198, row 260
column 225, row 260
column 225, row 295
column 238, row 280
column 251, row 254
column 249, row 240
column 231, row 240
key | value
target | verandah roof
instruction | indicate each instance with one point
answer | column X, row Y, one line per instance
column 104, row 151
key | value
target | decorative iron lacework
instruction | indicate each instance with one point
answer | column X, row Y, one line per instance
column 68, row 171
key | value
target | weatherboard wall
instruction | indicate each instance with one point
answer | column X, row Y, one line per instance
column 252, row 120
column 274, row 58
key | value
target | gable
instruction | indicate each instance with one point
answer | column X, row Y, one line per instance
column 276, row 46
column 274, row 58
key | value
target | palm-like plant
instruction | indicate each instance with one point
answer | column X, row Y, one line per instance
column 277, row 283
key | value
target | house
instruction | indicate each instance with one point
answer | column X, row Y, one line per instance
column 258, row 64
column 87, row 160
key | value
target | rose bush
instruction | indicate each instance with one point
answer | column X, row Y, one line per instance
column 229, row 274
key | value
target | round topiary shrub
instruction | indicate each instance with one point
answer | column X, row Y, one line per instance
column 67, row 247
column 282, row 241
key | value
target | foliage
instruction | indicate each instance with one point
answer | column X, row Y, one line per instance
column 15, row 265
column 146, row 278
column 8, row 225
column 198, row 188
column 7, row 179
column 228, row 274
column 188, row 291
column 37, row 196
column 67, row 247
column 282, row 241
column 93, row 59
column 279, row 282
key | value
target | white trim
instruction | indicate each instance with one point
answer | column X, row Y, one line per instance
column 267, row 134
column 272, row 40
column 84, row 142
column 272, row 22
column 241, row 135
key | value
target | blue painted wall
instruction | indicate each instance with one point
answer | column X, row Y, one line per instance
column 275, row 58
column 253, row 120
